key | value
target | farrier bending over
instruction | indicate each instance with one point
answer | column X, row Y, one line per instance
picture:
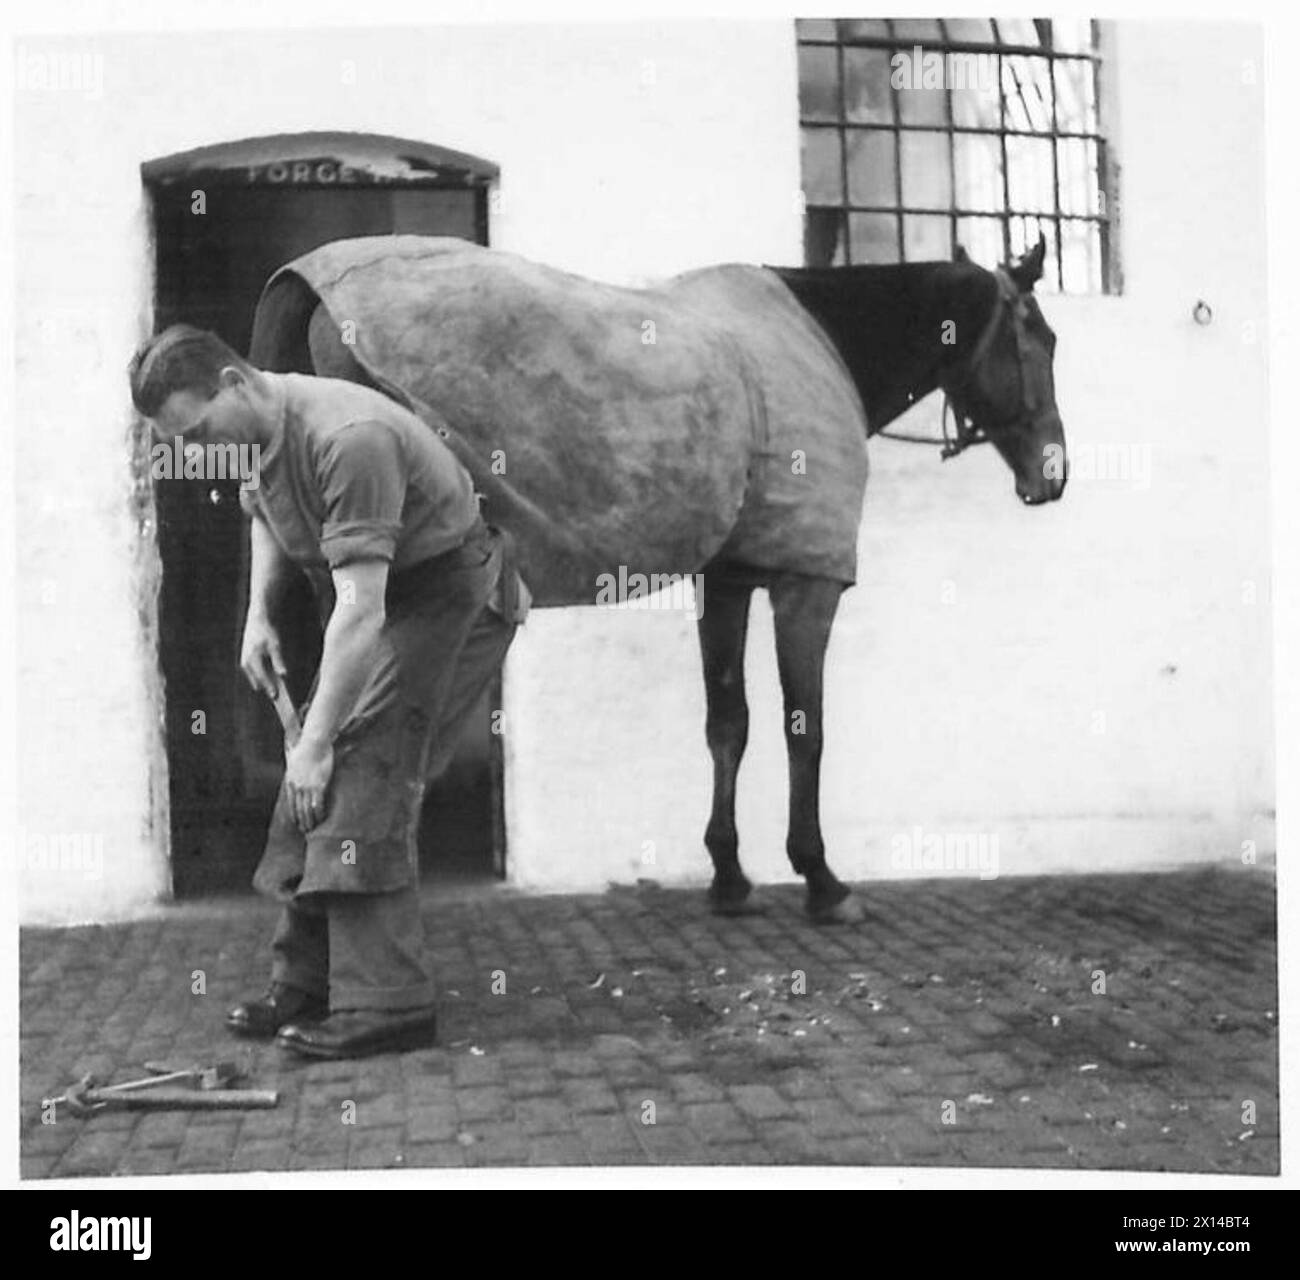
column 423, row 601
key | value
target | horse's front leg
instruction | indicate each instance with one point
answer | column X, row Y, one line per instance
column 804, row 608
column 723, row 624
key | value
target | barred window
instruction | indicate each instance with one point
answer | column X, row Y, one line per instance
column 920, row 134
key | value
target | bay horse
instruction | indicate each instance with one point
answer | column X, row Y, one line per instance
column 730, row 446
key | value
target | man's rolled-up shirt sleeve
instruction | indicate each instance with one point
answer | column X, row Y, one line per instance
column 363, row 483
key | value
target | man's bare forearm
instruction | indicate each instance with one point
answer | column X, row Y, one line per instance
column 346, row 663
column 352, row 649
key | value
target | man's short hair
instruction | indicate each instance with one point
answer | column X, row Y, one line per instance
column 180, row 358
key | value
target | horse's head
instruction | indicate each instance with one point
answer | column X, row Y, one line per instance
column 1005, row 390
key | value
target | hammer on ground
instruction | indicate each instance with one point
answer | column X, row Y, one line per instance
column 84, row 1099
column 216, row 1076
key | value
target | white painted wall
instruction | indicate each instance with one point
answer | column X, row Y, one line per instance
column 634, row 151
column 90, row 840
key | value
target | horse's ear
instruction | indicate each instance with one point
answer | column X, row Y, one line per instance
column 959, row 254
column 1029, row 270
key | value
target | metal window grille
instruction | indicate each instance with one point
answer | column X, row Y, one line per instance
column 920, row 134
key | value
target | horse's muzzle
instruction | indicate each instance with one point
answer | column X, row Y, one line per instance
column 1050, row 492
column 1043, row 479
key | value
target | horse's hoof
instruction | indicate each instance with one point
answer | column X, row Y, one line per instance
column 733, row 899
column 735, row 907
column 847, row 910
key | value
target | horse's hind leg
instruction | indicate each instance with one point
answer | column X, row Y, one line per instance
column 804, row 608
column 723, row 623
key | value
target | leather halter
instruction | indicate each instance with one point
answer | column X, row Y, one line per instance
column 965, row 432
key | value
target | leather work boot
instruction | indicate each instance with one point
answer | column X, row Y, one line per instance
column 355, row 1033
column 280, row 1003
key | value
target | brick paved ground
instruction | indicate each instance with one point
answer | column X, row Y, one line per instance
column 958, row 1026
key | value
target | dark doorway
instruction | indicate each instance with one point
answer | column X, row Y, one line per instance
column 225, row 218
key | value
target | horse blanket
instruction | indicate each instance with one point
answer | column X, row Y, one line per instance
column 610, row 429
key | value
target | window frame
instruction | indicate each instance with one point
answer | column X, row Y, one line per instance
column 1099, row 55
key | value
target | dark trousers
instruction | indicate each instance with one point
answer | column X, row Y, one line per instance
column 361, row 950
column 352, row 931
